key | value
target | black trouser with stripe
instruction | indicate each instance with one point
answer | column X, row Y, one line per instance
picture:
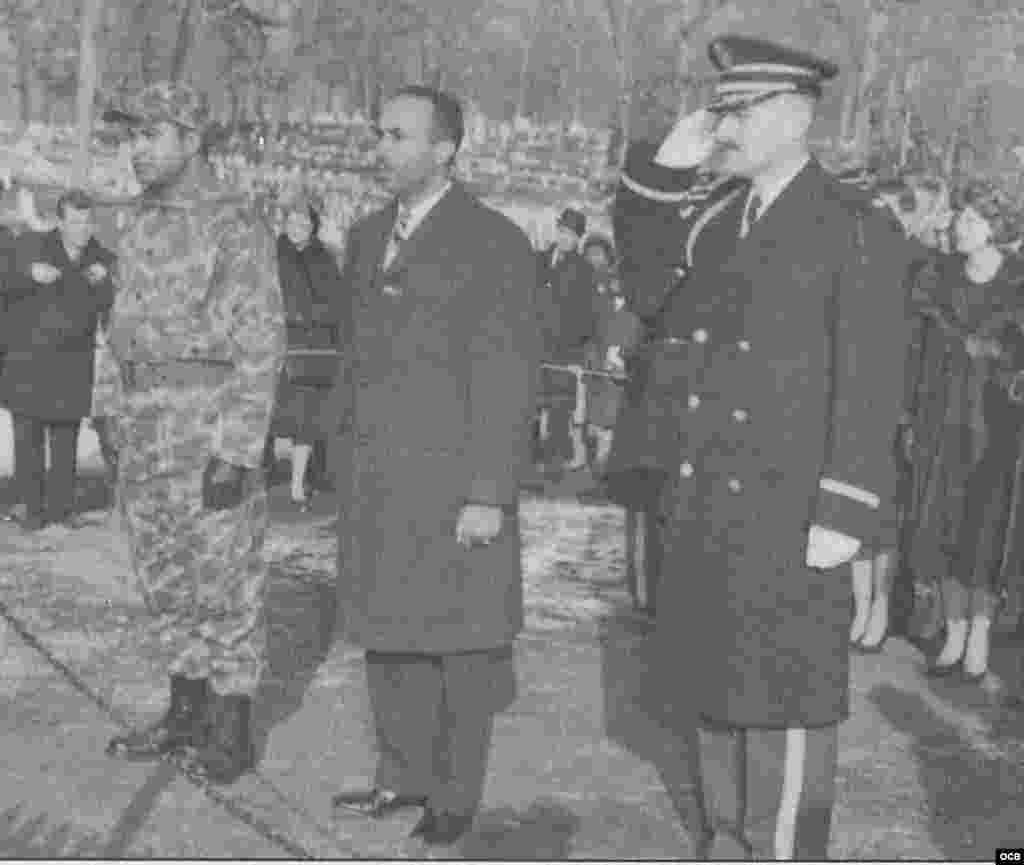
column 766, row 793
column 434, row 715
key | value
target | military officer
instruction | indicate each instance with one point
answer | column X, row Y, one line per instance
column 774, row 385
column 194, row 347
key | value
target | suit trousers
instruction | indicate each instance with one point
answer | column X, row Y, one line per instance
column 49, row 495
column 434, row 723
column 766, row 793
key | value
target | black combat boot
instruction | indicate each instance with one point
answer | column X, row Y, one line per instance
column 181, row 726
column 228, row 752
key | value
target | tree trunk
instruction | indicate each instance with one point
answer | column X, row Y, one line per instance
column 890, row 111
column 848, row 112
column 625, row 109
column 25, row 77
column 578, row 69
column 878, row 21
column 183, row 42
column 92, row 10
column 524, row 68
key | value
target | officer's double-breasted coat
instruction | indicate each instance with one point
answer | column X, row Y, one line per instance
column 772, row 393
column 433, row 401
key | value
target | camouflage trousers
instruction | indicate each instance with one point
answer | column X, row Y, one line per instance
column 201, row 573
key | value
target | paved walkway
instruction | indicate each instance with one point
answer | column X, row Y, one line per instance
column 579, row 770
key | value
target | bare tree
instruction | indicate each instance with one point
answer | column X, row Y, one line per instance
column 91, row 13
column 529, row 40
column 696, row 15
column 619, row 20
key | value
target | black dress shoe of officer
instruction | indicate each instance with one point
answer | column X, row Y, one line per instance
column 441, row 827
column 375, row 803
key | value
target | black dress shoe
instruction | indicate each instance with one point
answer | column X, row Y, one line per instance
column 941, row 671
column 376, row 803
column 441, row 827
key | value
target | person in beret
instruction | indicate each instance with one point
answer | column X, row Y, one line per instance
column 568, row 323
column 772, row 390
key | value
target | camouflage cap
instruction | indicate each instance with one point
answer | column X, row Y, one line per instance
column 164, row 101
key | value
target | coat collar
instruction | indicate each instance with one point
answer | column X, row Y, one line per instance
column 441, row 215
column 791, row 206
column 54, row 249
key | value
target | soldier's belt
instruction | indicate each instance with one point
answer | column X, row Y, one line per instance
column 175, row 374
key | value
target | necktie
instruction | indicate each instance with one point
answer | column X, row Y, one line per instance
column 753, row 211
column 399, row 233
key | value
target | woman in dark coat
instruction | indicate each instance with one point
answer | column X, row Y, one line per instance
column 310, row 284
column 962, row 526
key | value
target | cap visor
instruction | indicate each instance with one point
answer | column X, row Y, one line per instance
column 728, row 102
column 117, row 115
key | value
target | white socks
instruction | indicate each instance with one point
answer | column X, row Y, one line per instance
column 956, row 640
column 300, row 459
column 976, row 658
column 862, row 584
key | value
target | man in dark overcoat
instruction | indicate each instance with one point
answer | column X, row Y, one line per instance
column 435, row 396
column 59, row 291
column 774, row 383
column 568, row 314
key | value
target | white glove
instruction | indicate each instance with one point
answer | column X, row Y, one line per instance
column 689, row 143
column 613, row 359
column 827, row 548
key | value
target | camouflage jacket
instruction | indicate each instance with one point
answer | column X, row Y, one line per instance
column 197, row 281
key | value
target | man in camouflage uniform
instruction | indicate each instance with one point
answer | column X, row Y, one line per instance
column 196, row 342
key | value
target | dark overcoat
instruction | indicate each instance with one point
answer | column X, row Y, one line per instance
column 434, row 401
column 568, row 315
column 311, row 288
column 49, row 331
column 777, row 388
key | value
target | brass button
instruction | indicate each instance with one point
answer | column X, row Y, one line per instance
column 693, row 401
column 740, row 415
column 735, row 485
column 700, row 335
column 744, row 345
column 686, row 470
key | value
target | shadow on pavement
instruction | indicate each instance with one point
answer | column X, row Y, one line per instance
column 134, row 817
column 300, row 627
column 39, row 837
column 647, row 716
column 24, row 837
column 541, row 832
column 974, row 784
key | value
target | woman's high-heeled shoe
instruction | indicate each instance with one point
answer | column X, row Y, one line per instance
column 873, row 648
column 975, row 678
